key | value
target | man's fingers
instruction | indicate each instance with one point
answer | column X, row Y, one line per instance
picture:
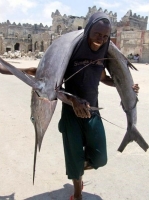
column 86, row 113
column 83, row 112
column 81, row 109
column 136, row 88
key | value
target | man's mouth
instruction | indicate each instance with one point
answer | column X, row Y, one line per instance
column 97, row 44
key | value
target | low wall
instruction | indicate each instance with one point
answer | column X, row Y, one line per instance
column 135, row 42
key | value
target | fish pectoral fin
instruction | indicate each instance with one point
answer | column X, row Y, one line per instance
column 29, row 80
column 133, row 135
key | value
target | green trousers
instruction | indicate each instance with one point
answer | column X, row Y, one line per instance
column 84, row 140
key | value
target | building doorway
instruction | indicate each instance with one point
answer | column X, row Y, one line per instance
column 42, row 47
column 36, row 46
column 30, row 47
column 59, row 29
column 17, row 47
column 8, row 49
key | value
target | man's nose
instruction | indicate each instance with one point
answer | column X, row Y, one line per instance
column 100, row 38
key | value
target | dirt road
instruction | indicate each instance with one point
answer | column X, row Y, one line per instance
column 125, row 177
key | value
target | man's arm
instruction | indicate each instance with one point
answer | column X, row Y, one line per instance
column 109, row 81
column 106, row 79
column 30, row 70
column 80, row 106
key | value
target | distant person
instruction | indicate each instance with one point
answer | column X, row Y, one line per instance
column 136, row 57
column 130, row 56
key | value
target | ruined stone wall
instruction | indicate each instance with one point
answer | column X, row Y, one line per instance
column 1, row 44
column 145, row 47
column 3, row 29
column 20, row 37
column 135, row 42
column 132, row 22
column 41, row 42
column 64, row 24
column 27, row 37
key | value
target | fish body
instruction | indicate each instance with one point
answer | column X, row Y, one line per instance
column 49, row 76
column 123, row 80
column 51, row 69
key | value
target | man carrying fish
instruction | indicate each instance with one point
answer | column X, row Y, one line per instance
column 82, row 128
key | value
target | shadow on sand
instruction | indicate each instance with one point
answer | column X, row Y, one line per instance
column 63, row 194
column 9, row 197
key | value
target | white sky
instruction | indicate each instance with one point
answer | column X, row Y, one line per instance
column 39, row 11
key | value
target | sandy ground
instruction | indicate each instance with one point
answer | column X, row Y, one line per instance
column 125, row 177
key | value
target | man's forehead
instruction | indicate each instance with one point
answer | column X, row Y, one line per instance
column 101, row 25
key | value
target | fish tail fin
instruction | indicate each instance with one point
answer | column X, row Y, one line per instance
column 131, row 135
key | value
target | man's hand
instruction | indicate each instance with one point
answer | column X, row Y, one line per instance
column 81, row 107
column 30, row 70
column 136, row 88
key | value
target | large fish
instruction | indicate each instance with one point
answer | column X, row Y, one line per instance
column 119, row 70
column 50, row 74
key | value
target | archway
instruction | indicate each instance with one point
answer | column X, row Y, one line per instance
column 8, row 49
column 16, row 35
column 36, row 46
column 42, row 47
column 59, row 29
column 30, row 47
column 29, row 36
column 17, row 47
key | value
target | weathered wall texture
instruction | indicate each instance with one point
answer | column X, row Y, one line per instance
column 129, row 34
column 135, row 42
column 1, row 44
column 64, row 24
column 22, row 37
column 145, row 47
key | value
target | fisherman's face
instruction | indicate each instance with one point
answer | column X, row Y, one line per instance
column 99, row 35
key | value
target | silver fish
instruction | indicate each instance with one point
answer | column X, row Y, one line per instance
column 49, row 76
column 119, row 70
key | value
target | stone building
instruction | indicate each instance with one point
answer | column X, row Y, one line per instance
column 130, row 34
column 25, row 37
column 132, row 22
column 64, row 24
